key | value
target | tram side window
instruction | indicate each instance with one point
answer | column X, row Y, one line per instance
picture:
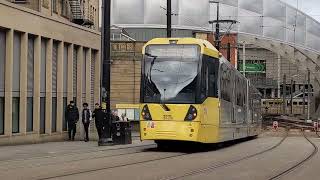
column 244, row 91
column 241, row 88
column 238, row 91
column 213, row 66
column 204, row 81
column 225, row 83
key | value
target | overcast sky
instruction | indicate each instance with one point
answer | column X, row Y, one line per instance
column 311, row 7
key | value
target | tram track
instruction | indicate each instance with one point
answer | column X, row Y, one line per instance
column 300, row 163
column 112, row 167
column 136, row 158
column 225, row 163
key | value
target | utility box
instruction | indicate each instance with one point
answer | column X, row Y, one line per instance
column 121, row 132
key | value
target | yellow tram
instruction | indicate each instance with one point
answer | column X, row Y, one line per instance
column 190, row 93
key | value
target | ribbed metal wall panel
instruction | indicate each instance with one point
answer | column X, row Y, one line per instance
column 2, row 62
column 16, row 65
column 54, row 68
column 43, row 68
column 93, row 61
column 30, row 68
column 1, row 115
column 65, row 71
column 84, row 71
column 75, row 64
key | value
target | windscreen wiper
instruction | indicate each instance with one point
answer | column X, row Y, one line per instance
column 152, row 62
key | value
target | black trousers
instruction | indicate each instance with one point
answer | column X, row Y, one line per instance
column 72, row 129
column 86, row 129
column 99, row 130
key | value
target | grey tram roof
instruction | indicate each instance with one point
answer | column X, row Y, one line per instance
column 270, row 24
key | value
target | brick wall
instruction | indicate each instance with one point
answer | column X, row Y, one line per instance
column 125, row 72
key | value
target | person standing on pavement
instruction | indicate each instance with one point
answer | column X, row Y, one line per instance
column 72, row 117
column 86, row 117
column 99, row 117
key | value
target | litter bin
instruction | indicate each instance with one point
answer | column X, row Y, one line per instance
column 121, row 132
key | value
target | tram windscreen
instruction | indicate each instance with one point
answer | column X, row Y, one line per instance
column 170, row 73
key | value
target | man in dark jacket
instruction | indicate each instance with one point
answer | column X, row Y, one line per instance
column 86, row 117
column 72, row 117
column 99, row 116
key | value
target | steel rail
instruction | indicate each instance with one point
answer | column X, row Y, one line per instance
column 112, row 167
column 226, row 163
column 300, row 163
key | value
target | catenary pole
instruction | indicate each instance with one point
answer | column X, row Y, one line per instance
column 169, row 13
column 105, row 61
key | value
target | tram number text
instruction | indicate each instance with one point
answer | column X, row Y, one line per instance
column 167, row 117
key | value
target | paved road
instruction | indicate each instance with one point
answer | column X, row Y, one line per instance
column 139, row 161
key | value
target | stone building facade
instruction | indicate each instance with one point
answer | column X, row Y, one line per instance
column 45, row 61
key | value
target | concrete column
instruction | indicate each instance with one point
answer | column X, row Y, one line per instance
column 70, row 74
column 88, row 76
column 8, row 84
column 97, row 79
column 23, row 83
column 49, row 86
column 36, row 90
column 60, row 77
column 80, row 59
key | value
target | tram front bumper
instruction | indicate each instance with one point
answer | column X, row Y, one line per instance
column 169, row 130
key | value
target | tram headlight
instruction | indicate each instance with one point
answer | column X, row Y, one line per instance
column 146, row 113
column 192, row 114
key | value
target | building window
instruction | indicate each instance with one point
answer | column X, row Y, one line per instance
column 64, row 124
column 54, row 6
column 2, row 78
column 1, row 115
column 16, row 65
column 45, row 4
column 75, row 72
column 42, row 115
column 2, row 61
column 43, row 68
column 29, row 114
column 84, row 73
column 65, row 85
column 54, row 68
column 93, row 61
column 30, row 66
column 54, row 115
column 15, row 114
column 65, row 70
column 62, row 6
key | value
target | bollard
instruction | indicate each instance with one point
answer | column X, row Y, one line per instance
column 275, row 125
column 315, row 126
